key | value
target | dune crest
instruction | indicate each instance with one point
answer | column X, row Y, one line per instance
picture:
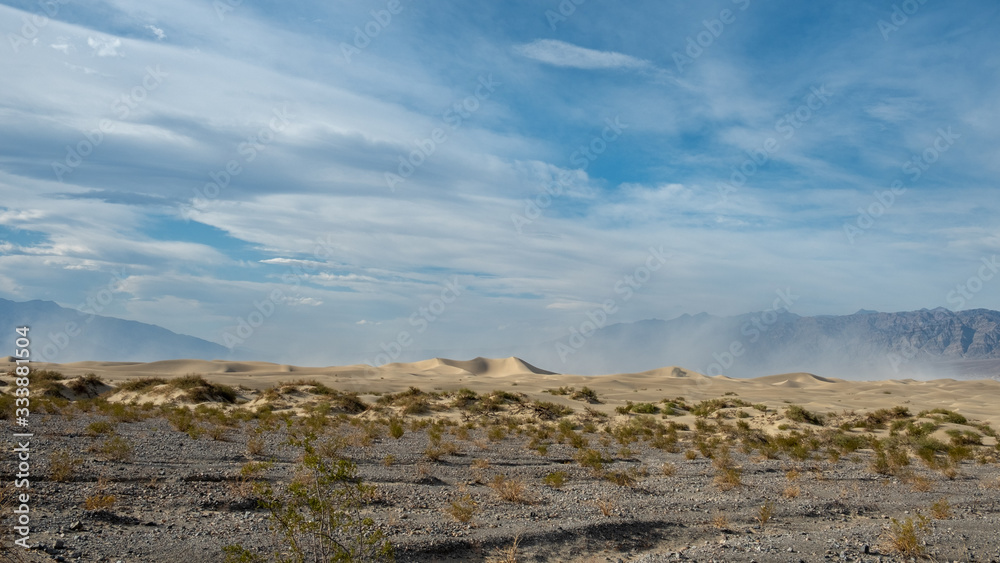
column 475, row 367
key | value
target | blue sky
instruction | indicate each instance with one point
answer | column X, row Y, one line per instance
column 546, row 147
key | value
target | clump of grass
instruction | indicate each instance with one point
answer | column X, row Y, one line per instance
column 586, row 394
column 944, row 415
column 199, row 390
column 606, row 506
column 799, row 414
column 99, row 500
column 546, row 410
column 556, row 479
column 941, row 510
column 668, row 469
column 907, row 537
column 591, row 459
column 100, row 428
column 510, row 490
column 62, row 466
column 143, row 384
column 728, row 475
column 765, row 513
column 720, row 521
column 792, row 492
column 462, row 509
column 114, row 448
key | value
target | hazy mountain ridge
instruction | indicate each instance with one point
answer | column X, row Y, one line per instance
column 862, row 345
column 59, row 334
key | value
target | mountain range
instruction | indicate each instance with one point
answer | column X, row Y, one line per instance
column 865, row 345
column 59, row 334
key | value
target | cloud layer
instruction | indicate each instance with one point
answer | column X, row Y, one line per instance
column 358, row 161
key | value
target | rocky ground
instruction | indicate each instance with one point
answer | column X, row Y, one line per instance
column 493, row 492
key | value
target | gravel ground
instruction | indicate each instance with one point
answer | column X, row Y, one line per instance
column 178, row 497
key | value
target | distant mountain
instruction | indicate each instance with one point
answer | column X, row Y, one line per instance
column 62, row 335
column 865, row 345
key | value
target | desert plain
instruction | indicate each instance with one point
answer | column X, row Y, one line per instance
column 499, row 460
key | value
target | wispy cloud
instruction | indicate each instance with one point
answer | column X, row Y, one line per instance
column 560, row 53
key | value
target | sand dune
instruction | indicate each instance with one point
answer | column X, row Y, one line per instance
column 974, row 398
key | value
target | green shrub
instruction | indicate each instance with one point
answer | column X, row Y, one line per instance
column 799, row 414
column 319, row 515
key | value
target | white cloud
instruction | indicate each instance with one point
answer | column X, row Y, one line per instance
column 105, row 47
column 157, row 32
column 559, row 53
column 61, row 47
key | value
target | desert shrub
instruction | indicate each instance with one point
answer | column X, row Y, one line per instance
column 318, row 515
column 728, row 475
column 100, row 427
column 560, row 391
column 550, row 411
column 645, row 408
column 462, row 509
column 765, row 513
column 799, row 414
column 99, row 500
column 941, row 510
column 198, row 390
column 396, row 429
column 964, row 437
column 556, row 479
column 944, row 415
column 62, row 466
column 586, row 394
column 114, row 448
column 592, row 459
column 906, row 537
column 136, row 385
column 709, row 406
column 510, row 490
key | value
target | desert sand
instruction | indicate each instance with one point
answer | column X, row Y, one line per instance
column 670, row 482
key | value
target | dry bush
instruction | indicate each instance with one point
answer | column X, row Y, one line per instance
column 99, row 500
column 690, row 455
column 62, row 466
column 792, row 492
column 720, row 521
column 793, row 474
column 607, row 506
column 907, row 537
column 114, row 448
column 505, row 554
column 920, row 484
column 668, row 469
column 764, row 513
column 941, row 510
column 462, row 509
column 255, row 445
column 510, row 490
